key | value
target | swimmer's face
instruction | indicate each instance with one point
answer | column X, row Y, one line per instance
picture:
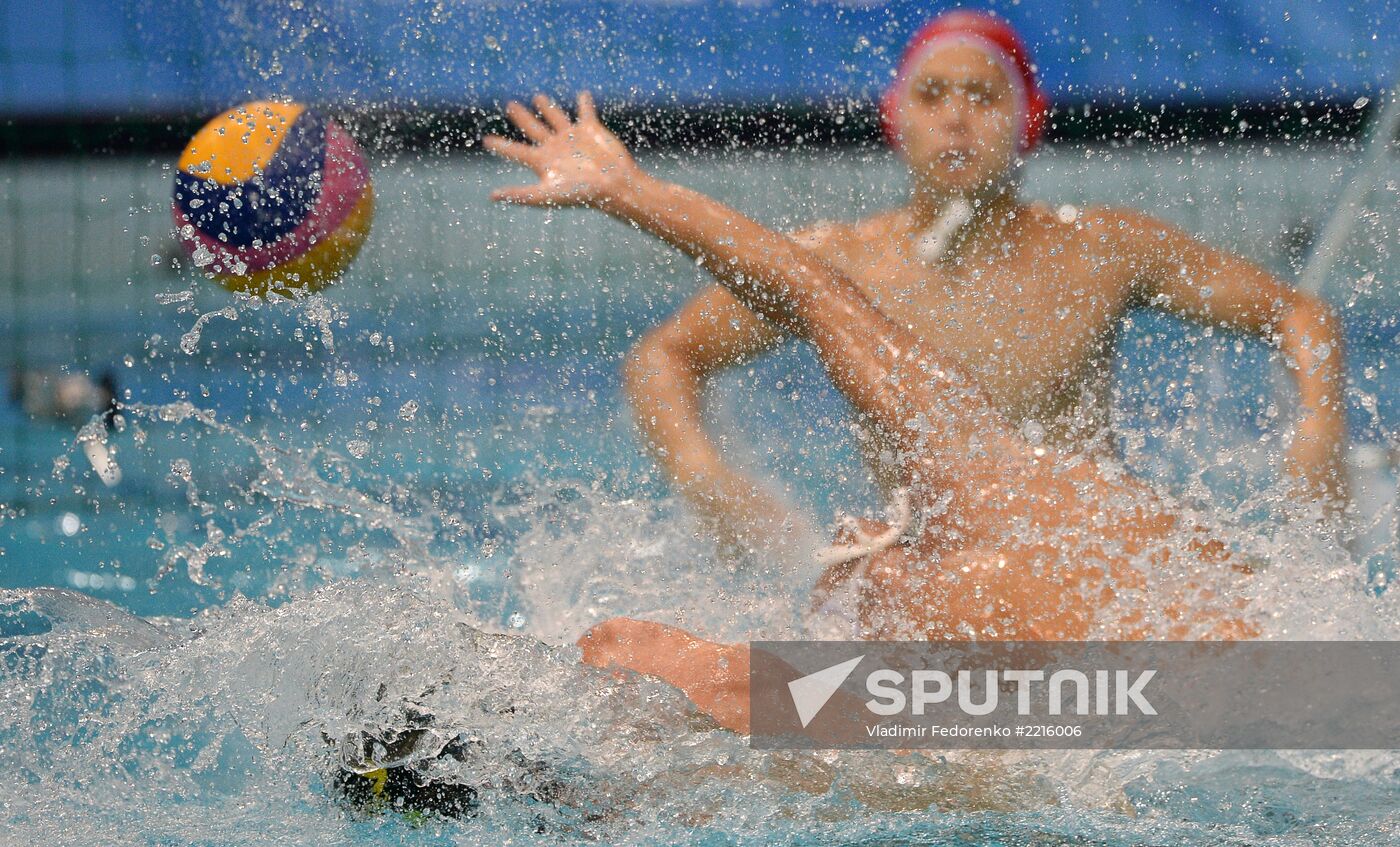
column 959, row 120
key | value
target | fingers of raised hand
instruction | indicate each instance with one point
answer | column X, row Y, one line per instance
column 515, row 151
column 525, row 120
column 524, row 195
column 557, row 118
column 587, row 111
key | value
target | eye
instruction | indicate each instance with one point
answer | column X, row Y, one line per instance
column 931, row 91
column 979, row 96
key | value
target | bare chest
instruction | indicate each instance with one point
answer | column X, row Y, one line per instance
column 1028, row 329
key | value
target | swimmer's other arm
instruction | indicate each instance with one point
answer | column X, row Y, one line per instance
column 1183, row 275
column 665, row 377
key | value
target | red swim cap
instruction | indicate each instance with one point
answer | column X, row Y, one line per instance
column 985, row 30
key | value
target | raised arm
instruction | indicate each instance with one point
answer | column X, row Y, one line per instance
column 929, row 411
column 1188, row 277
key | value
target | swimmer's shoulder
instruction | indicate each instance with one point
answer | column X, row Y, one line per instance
column 1119, row 225
column 1121, row 232
column 1111, row 248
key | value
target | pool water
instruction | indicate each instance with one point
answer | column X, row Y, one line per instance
column 317, row 497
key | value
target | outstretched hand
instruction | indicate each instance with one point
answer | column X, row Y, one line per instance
column 578, row 162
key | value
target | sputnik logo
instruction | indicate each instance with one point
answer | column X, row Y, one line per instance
column 810, row 693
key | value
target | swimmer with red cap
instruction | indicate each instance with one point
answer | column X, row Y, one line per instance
column 1023, row 298
column 1007, row 539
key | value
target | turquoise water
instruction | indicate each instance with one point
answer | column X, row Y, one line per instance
column 320, row 492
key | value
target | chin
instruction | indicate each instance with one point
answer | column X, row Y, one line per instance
column 956, row 182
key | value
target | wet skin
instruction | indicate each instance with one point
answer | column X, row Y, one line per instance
column 1026, row 303
column 1016, row 541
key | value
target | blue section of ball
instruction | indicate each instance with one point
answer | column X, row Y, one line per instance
column 270, row 204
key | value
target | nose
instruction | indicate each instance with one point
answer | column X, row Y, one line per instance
column 954, row 113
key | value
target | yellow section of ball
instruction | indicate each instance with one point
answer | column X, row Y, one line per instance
column 234, row 146
column 317, row 267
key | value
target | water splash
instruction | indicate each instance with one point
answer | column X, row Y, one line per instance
column 313, row 311
column 248, row 703
column 291, row 484
column 189, row 342
column 583, row 556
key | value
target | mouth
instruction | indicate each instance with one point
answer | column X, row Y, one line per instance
column 956, row 159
